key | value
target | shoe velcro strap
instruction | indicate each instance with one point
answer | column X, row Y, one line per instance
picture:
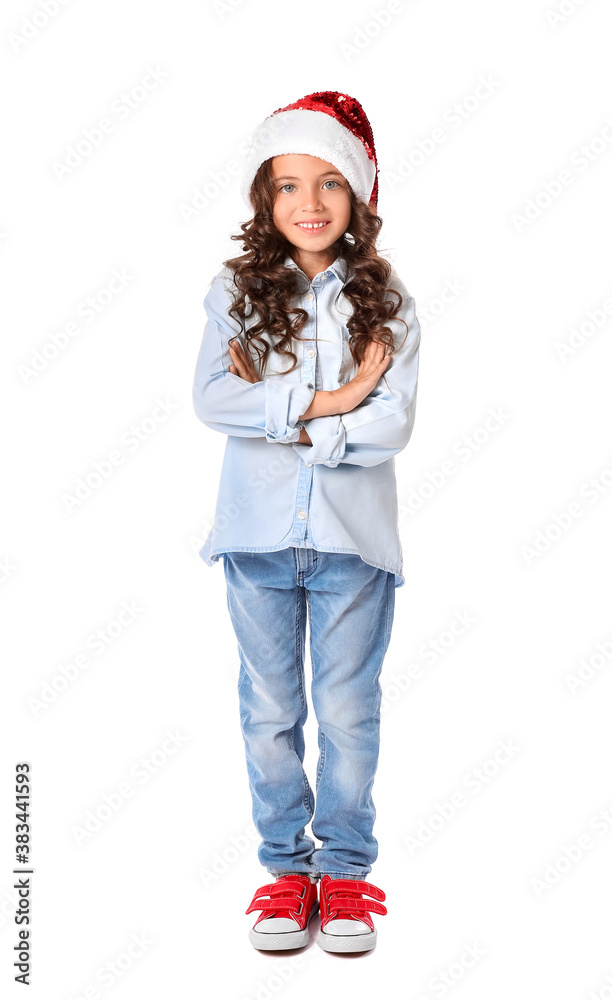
column 280, row 899
column 294, row 905
column 354, row 886
column 280, row 889
column 344, row 904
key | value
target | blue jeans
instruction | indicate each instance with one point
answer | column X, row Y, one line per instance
column 350, row 610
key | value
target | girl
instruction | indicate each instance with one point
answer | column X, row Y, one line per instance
column 309, row 363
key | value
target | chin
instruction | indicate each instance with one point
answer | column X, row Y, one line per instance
column 322, row 242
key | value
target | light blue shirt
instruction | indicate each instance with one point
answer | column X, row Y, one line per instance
column 338, row 494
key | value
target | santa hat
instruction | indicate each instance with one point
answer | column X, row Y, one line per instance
column 326, row 124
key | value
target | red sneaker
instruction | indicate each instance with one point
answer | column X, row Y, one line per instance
column 346, row 924
column 292, row 901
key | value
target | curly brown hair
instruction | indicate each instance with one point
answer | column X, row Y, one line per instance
column 260, row 274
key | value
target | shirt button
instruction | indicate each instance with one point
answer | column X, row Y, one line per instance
column 301, row 514
column 324, row 277
column 310, row 352
column 309, row 297
column 308, row 465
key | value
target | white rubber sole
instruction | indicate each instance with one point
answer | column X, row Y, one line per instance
column 284, row 940
column 346, row 942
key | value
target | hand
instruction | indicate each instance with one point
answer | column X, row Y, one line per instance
column 375, row 360
column 243, row 365
column 304, row 437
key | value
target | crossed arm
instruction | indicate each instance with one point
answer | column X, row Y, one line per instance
column 325, row 403
column 360, row 423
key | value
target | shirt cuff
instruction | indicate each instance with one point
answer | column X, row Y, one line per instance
column 328, row 436
column 285, row 402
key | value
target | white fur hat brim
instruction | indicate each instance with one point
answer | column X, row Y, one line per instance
column 317, row 134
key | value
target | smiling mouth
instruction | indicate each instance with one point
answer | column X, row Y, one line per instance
column 312, row 225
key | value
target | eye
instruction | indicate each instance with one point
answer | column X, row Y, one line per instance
column 283, row 186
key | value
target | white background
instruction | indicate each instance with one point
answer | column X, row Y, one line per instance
column 175, row 864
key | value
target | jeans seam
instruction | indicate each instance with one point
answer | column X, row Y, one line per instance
column 321, row 735
column 323, row 753
column 388, row 621
column 389, row 591
column 300, row 678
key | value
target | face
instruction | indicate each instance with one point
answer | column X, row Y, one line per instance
column 310, row 190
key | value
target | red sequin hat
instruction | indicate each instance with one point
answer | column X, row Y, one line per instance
column 326, row 124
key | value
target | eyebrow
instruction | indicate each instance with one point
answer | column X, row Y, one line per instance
column 286, row 177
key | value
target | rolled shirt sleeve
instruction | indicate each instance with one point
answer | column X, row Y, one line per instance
column 229, row 404
column 381, row 426
column 284, row 405
column 328, row 436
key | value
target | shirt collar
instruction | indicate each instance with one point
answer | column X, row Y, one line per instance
column 339, row 267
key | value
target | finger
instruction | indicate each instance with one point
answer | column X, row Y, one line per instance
column 238, row 365
column 237, row 369
column 243, row 357
column 244, row 362
column 376, row 346
column 237, row 356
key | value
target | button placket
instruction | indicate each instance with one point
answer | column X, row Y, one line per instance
column 301, row 521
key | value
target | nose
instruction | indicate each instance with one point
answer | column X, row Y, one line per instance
column 312, row 199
